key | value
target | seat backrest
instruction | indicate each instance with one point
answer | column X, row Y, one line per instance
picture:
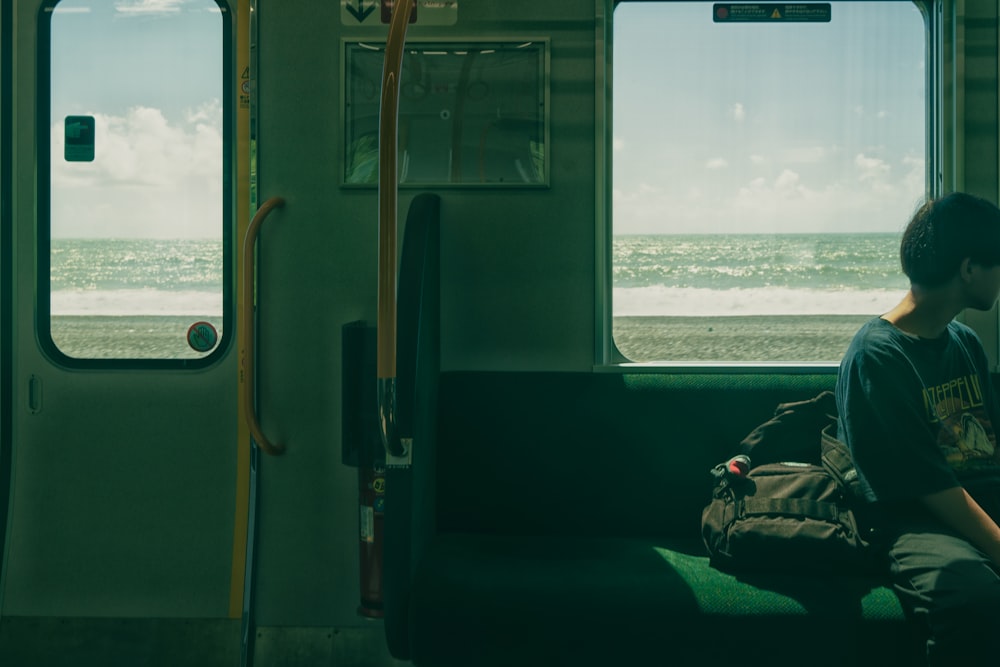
column 605, row 454
column 409, row 515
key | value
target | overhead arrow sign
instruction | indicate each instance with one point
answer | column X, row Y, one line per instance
column 361, row 12
column 355, row 13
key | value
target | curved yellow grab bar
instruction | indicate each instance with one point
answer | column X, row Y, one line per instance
column 387, row 186
column 247, row 325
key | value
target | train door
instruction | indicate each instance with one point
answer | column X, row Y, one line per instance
column 127, row 516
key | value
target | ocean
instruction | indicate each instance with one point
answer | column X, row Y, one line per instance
column 750, row 297
column 130, row 277
column 756, row 274
column 136, row 298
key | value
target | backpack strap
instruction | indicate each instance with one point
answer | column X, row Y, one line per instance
column 837, row 461
column 790, row 434
column 793, row 507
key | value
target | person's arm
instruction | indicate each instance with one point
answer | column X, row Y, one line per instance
column 960, row 512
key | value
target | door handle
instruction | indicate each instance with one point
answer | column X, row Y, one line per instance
column 247, row 348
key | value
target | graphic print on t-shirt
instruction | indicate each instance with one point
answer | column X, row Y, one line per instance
column 965, row 433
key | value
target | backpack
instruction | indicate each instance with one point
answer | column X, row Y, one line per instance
column 795, row 508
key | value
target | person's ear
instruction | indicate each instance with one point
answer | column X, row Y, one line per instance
column 965, row 269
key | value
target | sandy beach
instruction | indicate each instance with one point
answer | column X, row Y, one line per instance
column 126, row 337
column 808, row 338
column 754, row 338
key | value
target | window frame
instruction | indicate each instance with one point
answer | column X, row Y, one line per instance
column 606, row 351
column 43, row 245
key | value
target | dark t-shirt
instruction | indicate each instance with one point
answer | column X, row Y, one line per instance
column 919, row 415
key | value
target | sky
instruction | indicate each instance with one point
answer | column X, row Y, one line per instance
column 150, row 73
column 717, row 127
column 812, row 127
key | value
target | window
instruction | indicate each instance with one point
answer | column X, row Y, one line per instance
column 763, row 172
column 135, row 193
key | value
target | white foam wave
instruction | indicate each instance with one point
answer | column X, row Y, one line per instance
column 655, row 300
column 700, row 302
column 127, row 302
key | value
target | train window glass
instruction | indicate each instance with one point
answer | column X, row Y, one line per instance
column 469, row 114
column 134, row 250
column 762, row 174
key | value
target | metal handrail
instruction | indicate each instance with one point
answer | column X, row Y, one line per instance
column 247, row 348
column 387, row 224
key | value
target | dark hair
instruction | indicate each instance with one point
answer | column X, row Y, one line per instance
column 945, row 231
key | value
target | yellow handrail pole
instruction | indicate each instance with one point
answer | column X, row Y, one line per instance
column 247, row 361
column 237, row 578
column 387, row 225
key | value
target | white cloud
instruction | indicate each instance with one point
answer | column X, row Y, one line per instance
column 865, row 193
column 914, row 176
column 787, row 181
column 755, row 185
column 737, row 112
column 758, row 190
column 617, row 144
column 717, row 163
column 871, row 170
column 148, row 6
column 150, row 177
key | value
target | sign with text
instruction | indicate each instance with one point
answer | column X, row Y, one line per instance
column 771, row 13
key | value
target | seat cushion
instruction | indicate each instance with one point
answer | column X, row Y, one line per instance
column 505, row 600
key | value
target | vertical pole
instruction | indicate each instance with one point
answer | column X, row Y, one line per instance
column 387, row 225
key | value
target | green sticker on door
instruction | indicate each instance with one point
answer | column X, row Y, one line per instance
column 79, row 135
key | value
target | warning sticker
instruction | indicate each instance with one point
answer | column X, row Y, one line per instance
column 202, row 336
column 771, row 13
column 367, row 524
column 79, row 139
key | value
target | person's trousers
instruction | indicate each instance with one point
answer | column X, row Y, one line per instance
column 951, row 590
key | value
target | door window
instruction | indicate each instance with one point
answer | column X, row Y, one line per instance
column 135, row 204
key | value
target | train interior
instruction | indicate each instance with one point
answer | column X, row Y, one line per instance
column 406, row 332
